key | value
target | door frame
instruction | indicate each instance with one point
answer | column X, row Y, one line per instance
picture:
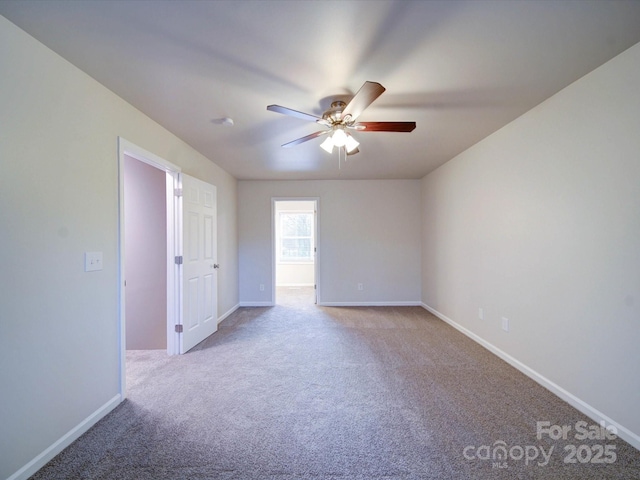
column 316, row 227
column 174, row 237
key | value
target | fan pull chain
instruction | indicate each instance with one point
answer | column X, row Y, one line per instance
column 342, row 149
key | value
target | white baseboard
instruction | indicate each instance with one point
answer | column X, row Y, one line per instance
column 256, row 304
column 229, row 312
column 71, row 436
column 343, row 304
column 371, row 304
column 593, row 413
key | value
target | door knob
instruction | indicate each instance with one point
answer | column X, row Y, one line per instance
column 216, row 265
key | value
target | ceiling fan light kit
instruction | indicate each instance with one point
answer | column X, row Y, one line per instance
column 351, row 144
column 340, row 139
column 342, row 116
column 327, row 145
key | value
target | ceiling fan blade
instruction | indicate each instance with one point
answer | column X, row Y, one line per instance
column 362, row 99
column 297, row 114
column 306, row 138
column 385, row 126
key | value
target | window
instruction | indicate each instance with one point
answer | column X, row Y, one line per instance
column 296, row 237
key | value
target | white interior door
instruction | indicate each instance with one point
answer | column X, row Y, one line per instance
column 199, row 269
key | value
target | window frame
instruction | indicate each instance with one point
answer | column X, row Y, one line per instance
column 281, row 237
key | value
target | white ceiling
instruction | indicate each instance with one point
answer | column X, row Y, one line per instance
column 460, row 69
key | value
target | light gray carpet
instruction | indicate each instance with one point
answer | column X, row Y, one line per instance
column 304, row 392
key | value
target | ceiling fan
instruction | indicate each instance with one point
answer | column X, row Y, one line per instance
column 341, row 117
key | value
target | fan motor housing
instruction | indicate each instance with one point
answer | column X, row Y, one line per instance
column 334, row 114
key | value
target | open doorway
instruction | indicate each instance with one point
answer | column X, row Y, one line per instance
column 154, row 181
column 295, row 251
column 145, row 251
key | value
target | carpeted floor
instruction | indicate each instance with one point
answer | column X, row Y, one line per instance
column 298, row 391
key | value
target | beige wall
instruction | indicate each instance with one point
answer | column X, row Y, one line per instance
column 368, row 232
column 540, row 223
column 59, row 347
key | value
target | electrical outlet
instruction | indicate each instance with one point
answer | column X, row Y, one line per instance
column 505, row 324
column 262, row 287
column 360, row 287
column 481, row 314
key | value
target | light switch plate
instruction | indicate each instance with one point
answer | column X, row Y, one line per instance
column 92, row 261
column 505, row 324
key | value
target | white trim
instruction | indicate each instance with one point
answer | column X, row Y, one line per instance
column 67, row 439
column 134, row 151
column 229, row 312
column 174, row 245
column 295, row 285
column 256, row 304
column 593, row 413
column 409, row 303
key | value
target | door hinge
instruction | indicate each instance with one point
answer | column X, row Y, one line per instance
column 178, row 328
column 179, row 260
column 177, row 192
column 315, row 287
